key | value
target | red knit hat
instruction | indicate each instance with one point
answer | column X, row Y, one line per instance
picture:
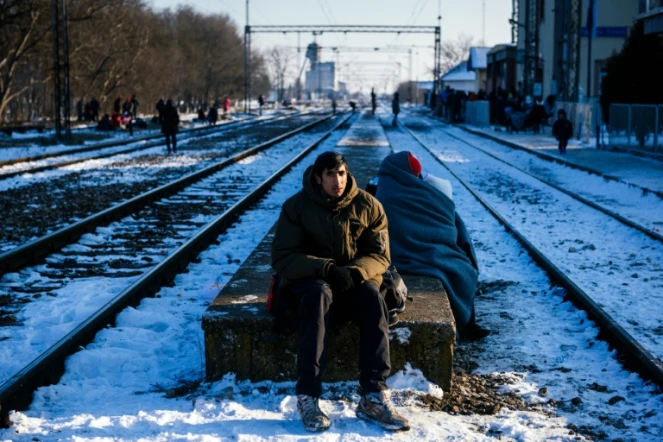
column 415, row 165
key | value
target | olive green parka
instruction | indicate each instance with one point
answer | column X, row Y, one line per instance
column 314, row 232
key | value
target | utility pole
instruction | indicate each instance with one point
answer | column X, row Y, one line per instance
column 61, row 92
column 299, row 62
column 591, row 26
column 409, row 74
column 247, row 54
column 483, row 23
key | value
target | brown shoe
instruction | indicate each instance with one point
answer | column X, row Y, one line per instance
column 377, row 407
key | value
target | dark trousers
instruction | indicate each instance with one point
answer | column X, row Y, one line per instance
column 317, row 307
column 172, row 137
column 562, row 146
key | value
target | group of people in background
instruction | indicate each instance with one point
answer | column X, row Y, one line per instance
column 212, row 115
column 87, row 111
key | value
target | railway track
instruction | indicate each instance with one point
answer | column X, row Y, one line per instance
column 635, row 355
column 134, row 257
column 549, row 158
column 611, row 213
column 20, row 166
column 51, row 200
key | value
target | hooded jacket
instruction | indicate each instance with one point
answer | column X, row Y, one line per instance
column 314, row 232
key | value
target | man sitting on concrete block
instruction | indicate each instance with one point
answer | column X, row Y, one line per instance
column 330, row 249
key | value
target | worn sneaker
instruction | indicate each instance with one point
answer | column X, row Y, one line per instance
column 312, row 416
column 377, row 407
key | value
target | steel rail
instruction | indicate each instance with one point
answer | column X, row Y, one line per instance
column 105, row 145
column 637, row 357
column 16, row 392
column 553, row 159
column 32, row 251
column 573, row 195
column 189, row 133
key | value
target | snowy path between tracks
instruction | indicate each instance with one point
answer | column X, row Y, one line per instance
column 617, row 266
column 108, row 390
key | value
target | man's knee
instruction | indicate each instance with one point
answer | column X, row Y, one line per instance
column 369, row 295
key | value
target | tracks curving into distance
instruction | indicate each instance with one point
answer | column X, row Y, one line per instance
column 636, row 356
column 145, row 250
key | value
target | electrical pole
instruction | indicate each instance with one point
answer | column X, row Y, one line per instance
column 61, row 93
column 247, row 52
column 483, row 23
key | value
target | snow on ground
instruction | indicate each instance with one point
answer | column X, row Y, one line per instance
column 644, row 172
column 13, row 168
column 544, row 341
column 100, row 166
column 628, row 201
column 47, row 319
column 114, row 389
column 619, row 267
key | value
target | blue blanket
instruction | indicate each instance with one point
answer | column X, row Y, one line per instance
column 426, row 235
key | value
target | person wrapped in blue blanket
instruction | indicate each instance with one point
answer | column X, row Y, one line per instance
column 428, row 237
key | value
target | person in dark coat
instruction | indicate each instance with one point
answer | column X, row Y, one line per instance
column 134, row 106
column 160, row 105
column 94, row 109
column 126, row 108
column 334, row 106
column 213, row 114
column 170, row 125
column 562, row 130
column 395, row 108
column 201, row 115
column 374, row 101
column 261, row 102
column 79, row 109
column 427, row 235
column 330, row 249
column 117, row 105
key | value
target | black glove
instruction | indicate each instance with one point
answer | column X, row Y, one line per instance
column 340, row 278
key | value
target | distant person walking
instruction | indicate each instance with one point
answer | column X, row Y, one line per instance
column 562, row 130
column 374, row 101
column 170, row 124
column 94, row 109
column 160, row 106
column 79, row 109
column 126, row 108
column 117, row 105
column 226, row 107
column 334, row 106
column 261, row 102
column 213, row 114
column 134, row 106
column 395, row 108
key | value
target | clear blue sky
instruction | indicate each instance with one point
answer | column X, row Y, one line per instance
column 458, row 17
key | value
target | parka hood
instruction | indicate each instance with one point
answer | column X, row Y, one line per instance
column 315, row 193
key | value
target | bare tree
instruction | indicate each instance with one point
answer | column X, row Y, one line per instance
column 23, row 25
column 453, row 52
column 121, row 47
column 280, row 62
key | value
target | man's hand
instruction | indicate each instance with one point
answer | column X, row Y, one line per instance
column 339, row 278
